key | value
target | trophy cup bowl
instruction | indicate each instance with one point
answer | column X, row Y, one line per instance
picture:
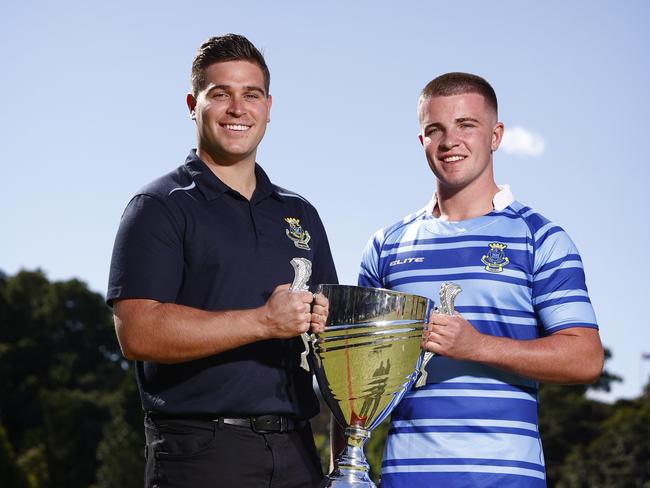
column 366, row 359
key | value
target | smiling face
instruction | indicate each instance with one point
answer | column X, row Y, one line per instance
column 231, row 113
column 459, row 134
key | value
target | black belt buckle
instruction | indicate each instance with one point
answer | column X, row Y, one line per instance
column 265, row 424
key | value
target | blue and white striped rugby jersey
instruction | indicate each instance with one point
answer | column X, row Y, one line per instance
column 521, row 277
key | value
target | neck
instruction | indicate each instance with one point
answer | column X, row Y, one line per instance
column 465, row 203
column 238, row 175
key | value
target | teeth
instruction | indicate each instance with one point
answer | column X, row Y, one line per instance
column 236, row 127
column 451, row 159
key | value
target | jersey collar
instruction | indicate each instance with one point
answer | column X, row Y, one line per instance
column 501, row 200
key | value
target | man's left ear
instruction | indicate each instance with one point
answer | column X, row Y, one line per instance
column 191, row 105
column 497, row 135
column 268, row 110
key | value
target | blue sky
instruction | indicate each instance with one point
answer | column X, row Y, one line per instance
column 92, row 107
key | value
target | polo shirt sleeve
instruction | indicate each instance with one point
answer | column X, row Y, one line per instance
column 147, row 257
column 560, row 294
column 369, row 270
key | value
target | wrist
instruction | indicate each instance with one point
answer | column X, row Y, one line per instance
column 260, row 320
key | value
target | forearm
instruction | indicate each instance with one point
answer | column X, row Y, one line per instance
column 170, row 333
column 571, row 356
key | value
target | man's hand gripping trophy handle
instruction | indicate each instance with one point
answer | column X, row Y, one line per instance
column 448, row 294
column 302, row 273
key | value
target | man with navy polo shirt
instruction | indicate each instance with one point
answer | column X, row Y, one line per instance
column 199, row 285
column 524, row 315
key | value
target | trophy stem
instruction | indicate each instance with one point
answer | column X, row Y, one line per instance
column 351, row 468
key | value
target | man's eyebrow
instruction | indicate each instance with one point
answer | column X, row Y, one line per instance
column 460, row 120
column 255, row 88
column 246, row 87
column 431, row 124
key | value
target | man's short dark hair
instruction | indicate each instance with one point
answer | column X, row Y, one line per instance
column 459, row 84
column 219, row 49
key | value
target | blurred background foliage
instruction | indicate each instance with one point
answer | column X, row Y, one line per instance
column 70, row 413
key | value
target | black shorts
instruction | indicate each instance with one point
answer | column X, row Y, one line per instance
column 203, row 453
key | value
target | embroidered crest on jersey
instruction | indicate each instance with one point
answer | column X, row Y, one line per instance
column 495, row 259
column 297, row 234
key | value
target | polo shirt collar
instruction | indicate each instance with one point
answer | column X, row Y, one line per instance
column 212, row 187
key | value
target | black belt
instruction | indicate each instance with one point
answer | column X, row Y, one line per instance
column 262, row 424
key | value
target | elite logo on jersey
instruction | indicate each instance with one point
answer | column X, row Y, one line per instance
column 495, row 259
column 297, row 234
column 406, row 261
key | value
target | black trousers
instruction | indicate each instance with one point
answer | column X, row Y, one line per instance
column 203, row 453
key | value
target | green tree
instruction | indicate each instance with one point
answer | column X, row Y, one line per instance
column 60, row 365
column 569, row 418
column 120, row 453
column 619, row 457
column 11, row 473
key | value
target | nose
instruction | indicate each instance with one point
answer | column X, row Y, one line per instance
column 449, row 140
column 236, row 107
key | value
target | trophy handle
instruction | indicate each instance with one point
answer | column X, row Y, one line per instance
column 448, row 294
column 302, row 273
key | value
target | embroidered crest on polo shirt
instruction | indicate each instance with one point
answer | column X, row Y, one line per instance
column 495, row 259
column 297, row 234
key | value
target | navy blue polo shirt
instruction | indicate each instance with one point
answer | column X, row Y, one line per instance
column 188, row 238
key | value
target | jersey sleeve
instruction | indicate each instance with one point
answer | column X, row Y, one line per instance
column 560, row 295
column 147, row 259
column 369, row 269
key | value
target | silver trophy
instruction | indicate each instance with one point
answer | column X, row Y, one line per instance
column 365, row 360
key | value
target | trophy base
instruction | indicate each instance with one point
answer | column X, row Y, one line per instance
column 347, row 481
column 351, row 468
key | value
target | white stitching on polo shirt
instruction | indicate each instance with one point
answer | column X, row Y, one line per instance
column 184, row 188
column 293, row 195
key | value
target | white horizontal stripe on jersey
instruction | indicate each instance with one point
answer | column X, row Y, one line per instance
column 476, row 393
column 510, row 320
column 447, row 271
column 522, row 246
column 543, row 230
column 560, row 294
column 455, row 445
column 474, row 468
column 515, row 424
column 565, row 265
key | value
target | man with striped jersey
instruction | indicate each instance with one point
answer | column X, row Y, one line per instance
column 523, row 315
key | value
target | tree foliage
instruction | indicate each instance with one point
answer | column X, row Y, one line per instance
column 61, row 368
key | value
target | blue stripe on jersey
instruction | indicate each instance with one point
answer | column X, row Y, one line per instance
column 460, row 428
column 455, row 239
column 459, row 277
column 560, row 301
column 547, row 234
column 433, row 257
column 466, row 407
column 494, row 310
column 479, row 386
column 461, row 461
column 365, row 272
column 560, row 261
column 502, row 329
column 561, row 279
column 459, row 480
